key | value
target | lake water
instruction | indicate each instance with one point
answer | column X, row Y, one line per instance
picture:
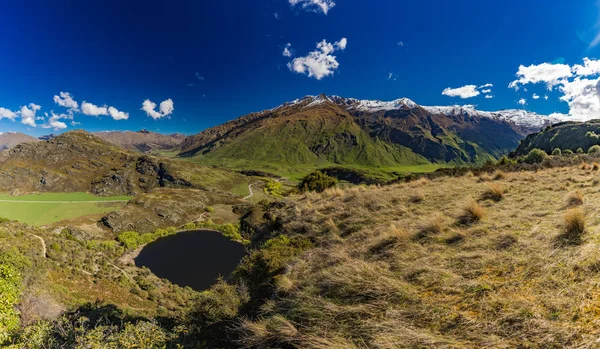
column 192, row 258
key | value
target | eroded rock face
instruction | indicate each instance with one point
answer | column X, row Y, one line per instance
column 164, row 207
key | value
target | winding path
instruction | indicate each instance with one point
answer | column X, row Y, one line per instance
column 44, row 254
column 251, row 192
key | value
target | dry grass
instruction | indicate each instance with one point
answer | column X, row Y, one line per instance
column 595, row 166
column 493, row 192
column 472, row 212
column 574, row 198
column 501, row 283
column 435, row 225
column 574, row 225
column 498, row 175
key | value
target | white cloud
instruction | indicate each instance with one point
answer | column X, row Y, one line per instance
column 165, row 109
column 319, row 63
column 487, row 90
column 535, row 96
column 314, row 5
column 65, row 99
column 467, row 91
column 341, row 45
column 93, row 110
column 117, row 115
column 550, row 74
column 287, row 50
column 7, row 114
column 579, row 85
column 276, row 15
column 486, row 85
column 392, row 77
column 400, row 43
column 199, row 77
column 522, row 101
column 28, row 114
column 589, row 67
column 489, row 96
column 55, row 123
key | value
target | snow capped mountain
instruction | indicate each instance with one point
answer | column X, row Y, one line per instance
column 528, row 121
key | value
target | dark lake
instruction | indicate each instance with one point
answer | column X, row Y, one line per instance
column 192, row 258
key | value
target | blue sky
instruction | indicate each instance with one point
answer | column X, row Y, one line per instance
column 212, row 61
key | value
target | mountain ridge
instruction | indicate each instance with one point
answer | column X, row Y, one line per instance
column 321, row 130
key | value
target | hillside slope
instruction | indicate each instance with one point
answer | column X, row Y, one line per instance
column 143, row 141
column 78, row 161
column 326, row 130
column 566, row 135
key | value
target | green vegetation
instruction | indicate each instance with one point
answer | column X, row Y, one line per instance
column 273, row 188
column 132, row 240
column 556, row 152
column 47, row 208
column 594, row 149
column 567, row 136
column 317, row 181
column 535, row 156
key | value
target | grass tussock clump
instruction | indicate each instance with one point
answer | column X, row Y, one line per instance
column 574, row 226
column 494, row 192
column 595, row 166
column 435, row 225
column 574, row 198
column 498, row 175
column 472, row 212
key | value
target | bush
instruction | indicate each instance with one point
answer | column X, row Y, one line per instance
column 567, row 152
column 579, row 151
column 594, row 149
column 557, row 151
column 209, row 209
column 10, row 293
column 535, row 156
column 317, row 181
column 129, row 239
column 189, row 226
column 273, row 188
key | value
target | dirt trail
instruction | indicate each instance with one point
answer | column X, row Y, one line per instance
column 44, row 254
column 251, row 192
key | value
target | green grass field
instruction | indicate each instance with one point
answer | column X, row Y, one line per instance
column 47, row 208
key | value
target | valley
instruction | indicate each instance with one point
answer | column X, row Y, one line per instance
column 232, row 238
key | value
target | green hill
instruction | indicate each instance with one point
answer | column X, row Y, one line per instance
column 566, row 135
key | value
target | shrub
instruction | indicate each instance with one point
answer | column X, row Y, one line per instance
column 567, row 152
column 556, row 152
column 190, row 226
column 536, row 156
column 10, row 284
column 574, row 225
column 579, row 151
column 594, row 149
column 504, row 160
column 317, row 181
column 129, row 239
column 273, row 188
column 493, row 192
column 209, row 209
column 574, row 198
column 472, row 213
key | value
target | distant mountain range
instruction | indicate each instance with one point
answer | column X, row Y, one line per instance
column 324, row 130
column 10, row 139
column 321, row 131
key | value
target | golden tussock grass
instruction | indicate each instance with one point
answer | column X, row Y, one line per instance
column 574, row 225
column 595, row 166
column 574, row 198
column 504, row 282
column 472, row 212
column 498, row 175
column 493, row 192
